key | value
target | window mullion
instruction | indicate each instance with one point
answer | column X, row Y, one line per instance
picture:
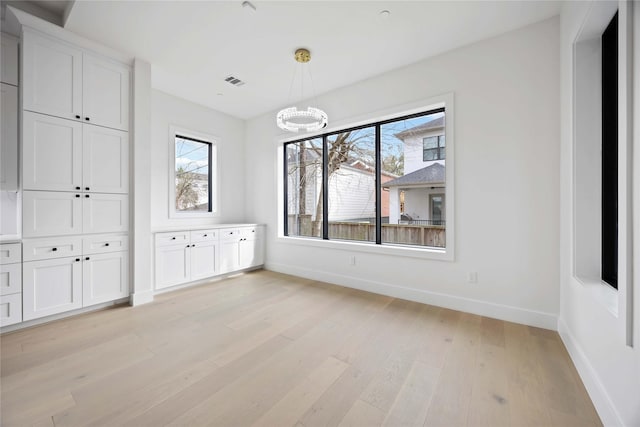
column 286, row 190
column 325, row 188
column 378, row 156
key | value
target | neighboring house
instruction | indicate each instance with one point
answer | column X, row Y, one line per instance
column 418, row 197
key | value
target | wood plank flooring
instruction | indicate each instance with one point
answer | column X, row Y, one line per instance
column 265, row 349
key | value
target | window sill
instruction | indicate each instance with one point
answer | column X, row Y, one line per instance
column 387, row 249
column 601, row 292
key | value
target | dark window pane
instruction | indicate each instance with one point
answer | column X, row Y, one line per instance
column 352, row 195
column 193, row 167
column 412, row 214
column 304, row 188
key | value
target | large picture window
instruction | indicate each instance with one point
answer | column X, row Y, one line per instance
column 371, row 183
column 193, row 181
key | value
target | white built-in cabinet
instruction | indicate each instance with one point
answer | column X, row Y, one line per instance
column 68, row 82
column 63, row 155
column 186, row 256
column 67, row 273
column 9, row 135
column 75, row 177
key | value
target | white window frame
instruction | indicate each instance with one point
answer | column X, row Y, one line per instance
column 215, row 173
column 445, row 101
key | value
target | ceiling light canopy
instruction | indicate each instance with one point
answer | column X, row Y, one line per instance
column 293, row 119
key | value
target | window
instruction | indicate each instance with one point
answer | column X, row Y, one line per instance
column 372, row 183
column 433, row 148
column 193, row 181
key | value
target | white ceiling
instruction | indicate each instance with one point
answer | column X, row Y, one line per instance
column 193, row 46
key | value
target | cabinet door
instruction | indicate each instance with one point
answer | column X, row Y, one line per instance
column 52, row 74
column 229, row 255
column 204, row 260
column 9, row 62
column 105, row 277
column 52, row 153
column 47, row 213
column 10, row 309
column 251, row 253
column 173, row 265
column 51, row 287
column 9, row 141
column 105, row 213
column 105, row 96
column 105, row 166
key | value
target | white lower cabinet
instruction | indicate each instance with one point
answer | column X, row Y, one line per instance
column 70, row 272
column 105, row 278
column 185, row 256
column 10, row 284
column 51, row 286
column 173, row 265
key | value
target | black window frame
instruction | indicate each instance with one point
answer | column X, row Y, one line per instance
column 209, row 144
column 325, row 178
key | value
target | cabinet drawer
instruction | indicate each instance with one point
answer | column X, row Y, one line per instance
column 10, row 279
column 250, row 233
column 10, row 253
column 56, row 247
column 229, row 234
column 10, row 309
column 170, row 239
column 204, row 235
column 104, row 243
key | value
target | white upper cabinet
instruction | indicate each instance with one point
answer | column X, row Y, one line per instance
column 9, row 61
column 52, row 77
column 9, row 135
column 52, row 153
column 64, row 81
column 105, row 92
column 105, row 166
column 51, row 213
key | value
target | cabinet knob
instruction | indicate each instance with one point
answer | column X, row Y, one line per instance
column 77, row 188
column 86, row 188
column 77, row 116
column 173, row 238
column 77, row 195
column 87, row 259
column 188, row 246
column 86, row 195
column 54, row 249
column 77, row 259
column 106, row 244
column 193, row 246
column 204, row 235
column 86, row 118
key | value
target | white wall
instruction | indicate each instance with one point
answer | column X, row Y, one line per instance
column 594, row 335
column 167, row 110
column 506, row 120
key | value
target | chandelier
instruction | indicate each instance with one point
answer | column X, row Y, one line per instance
column 293, row 119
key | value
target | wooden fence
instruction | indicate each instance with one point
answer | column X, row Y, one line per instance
column 421, row 235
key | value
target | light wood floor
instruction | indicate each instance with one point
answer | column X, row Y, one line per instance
column 273, row 350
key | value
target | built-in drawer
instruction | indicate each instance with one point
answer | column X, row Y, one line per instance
column 10, row 309
column 103, row 243
column 49, row 248
column 10, row 253
column 203, row 235
column 229, row 234
column 174, row 238
column 10, row 279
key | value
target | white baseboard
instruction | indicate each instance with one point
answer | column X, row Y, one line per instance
column 497, row 311
column 139, row 298
column 598, row 394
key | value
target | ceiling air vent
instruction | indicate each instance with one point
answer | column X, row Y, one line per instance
column 234, row 81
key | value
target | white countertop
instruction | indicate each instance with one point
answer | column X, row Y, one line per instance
column 170, row 228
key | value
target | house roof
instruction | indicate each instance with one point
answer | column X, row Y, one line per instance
column 425, row 127
column 434, row 174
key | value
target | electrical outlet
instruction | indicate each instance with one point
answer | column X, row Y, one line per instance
column 352, row 260
column 472, row 277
